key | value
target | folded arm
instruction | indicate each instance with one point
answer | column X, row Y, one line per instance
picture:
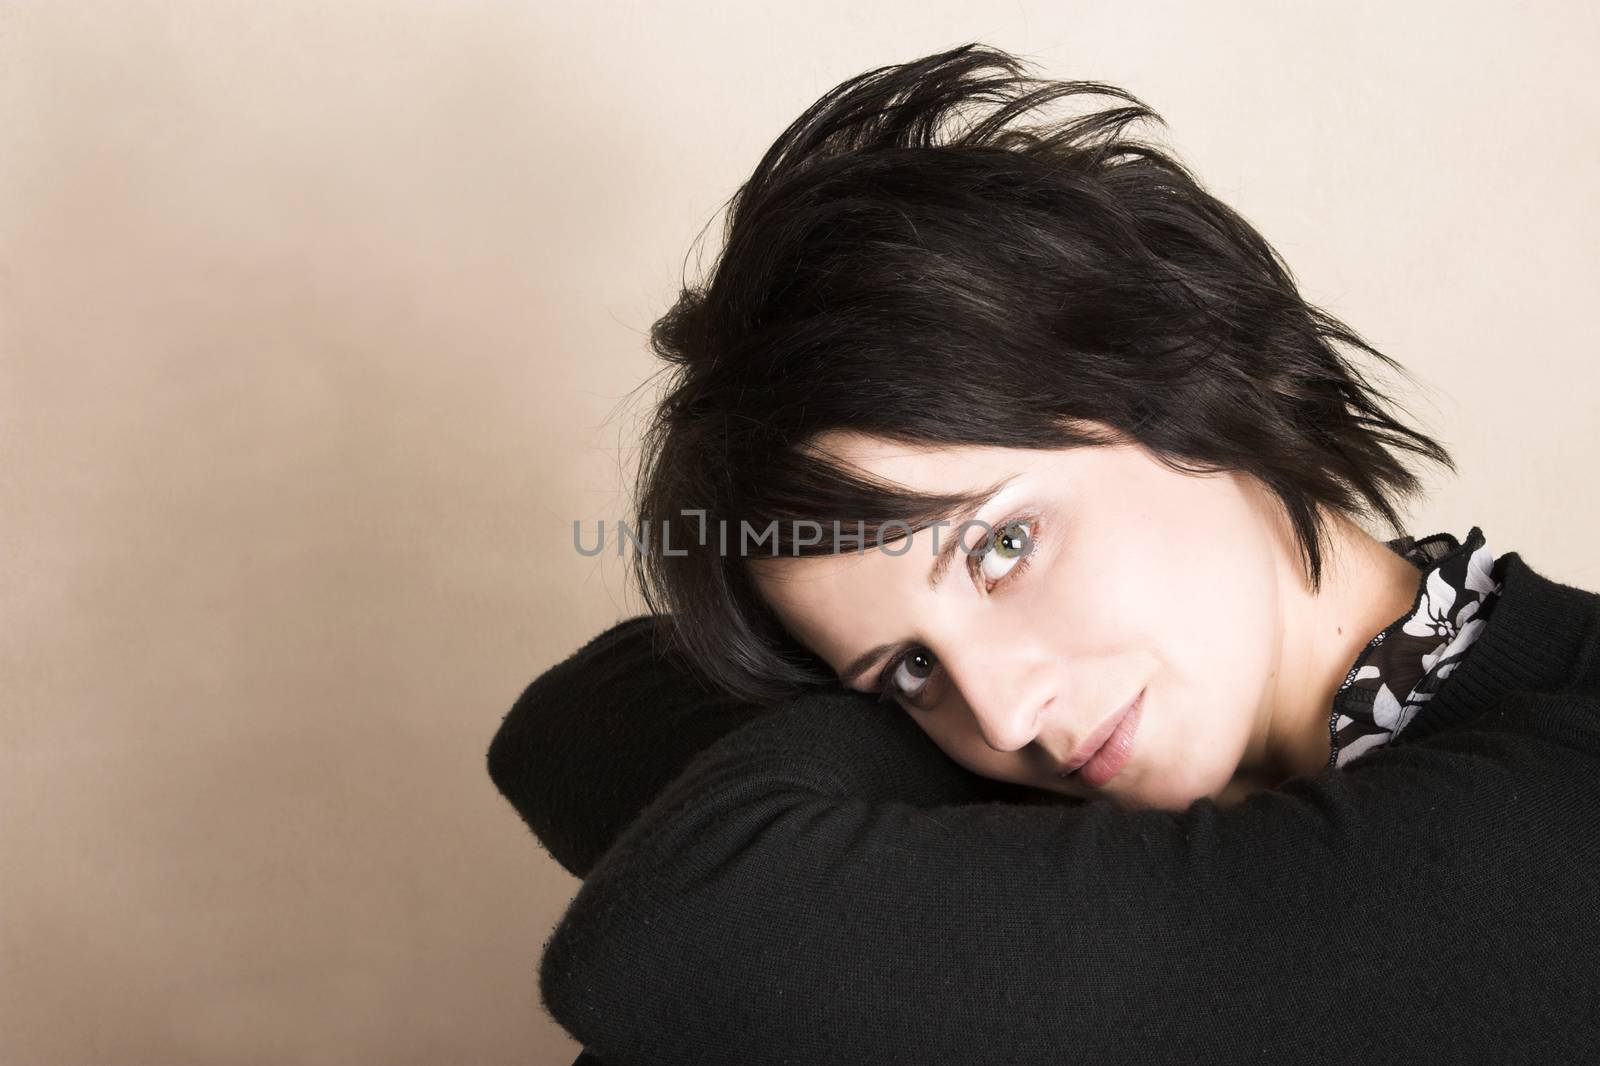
column 822, row 884
column 594, row 738
column 816, row 883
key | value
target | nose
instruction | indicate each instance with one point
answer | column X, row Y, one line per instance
column 1007, row 691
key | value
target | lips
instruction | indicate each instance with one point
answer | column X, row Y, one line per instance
column 1096, row 740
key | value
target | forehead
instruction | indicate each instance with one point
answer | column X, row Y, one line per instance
column 924, row 467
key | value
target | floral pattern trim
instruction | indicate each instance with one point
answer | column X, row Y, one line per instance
column 1401, row 668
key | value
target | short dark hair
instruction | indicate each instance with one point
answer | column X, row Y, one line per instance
column 991, row 284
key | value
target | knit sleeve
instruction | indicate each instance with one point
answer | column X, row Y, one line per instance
column 823, row 885
column 593, row 738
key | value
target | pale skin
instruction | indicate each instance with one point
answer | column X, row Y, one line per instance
column 1137, row 577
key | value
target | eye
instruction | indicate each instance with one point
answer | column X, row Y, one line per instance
column 909, row 673
column 1007, row 550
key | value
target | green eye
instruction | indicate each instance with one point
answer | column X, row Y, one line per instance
column 1011, row 542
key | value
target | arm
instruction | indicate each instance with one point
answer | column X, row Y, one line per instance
column 592, row 739
column 823, row 885
column 595, row 737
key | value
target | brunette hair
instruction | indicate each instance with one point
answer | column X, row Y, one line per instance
column 906, row 264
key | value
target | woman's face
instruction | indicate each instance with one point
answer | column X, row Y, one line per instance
column 1138, row 578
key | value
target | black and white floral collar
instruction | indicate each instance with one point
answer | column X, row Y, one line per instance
column 1400, row 669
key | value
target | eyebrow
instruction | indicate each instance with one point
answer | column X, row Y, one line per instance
column 936, row 574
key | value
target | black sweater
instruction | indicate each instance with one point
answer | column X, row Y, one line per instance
column 819, row 883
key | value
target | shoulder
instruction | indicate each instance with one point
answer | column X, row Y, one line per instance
column 1531, row 683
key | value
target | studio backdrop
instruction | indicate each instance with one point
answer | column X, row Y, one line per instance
column 321, row 323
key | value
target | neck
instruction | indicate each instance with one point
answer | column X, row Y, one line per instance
column 1365, row 586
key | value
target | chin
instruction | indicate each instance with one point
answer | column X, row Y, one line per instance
column 1168, row 791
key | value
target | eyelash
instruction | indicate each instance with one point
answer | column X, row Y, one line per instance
column 886, row 688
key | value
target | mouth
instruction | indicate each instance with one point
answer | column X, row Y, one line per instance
column 1106, row 751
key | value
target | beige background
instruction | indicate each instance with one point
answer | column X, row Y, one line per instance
column 319, row 319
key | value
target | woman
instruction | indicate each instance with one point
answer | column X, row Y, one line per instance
column 1162, row 758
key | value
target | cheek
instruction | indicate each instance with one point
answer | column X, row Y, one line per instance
column 1203, row 612
column 1217, row 665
